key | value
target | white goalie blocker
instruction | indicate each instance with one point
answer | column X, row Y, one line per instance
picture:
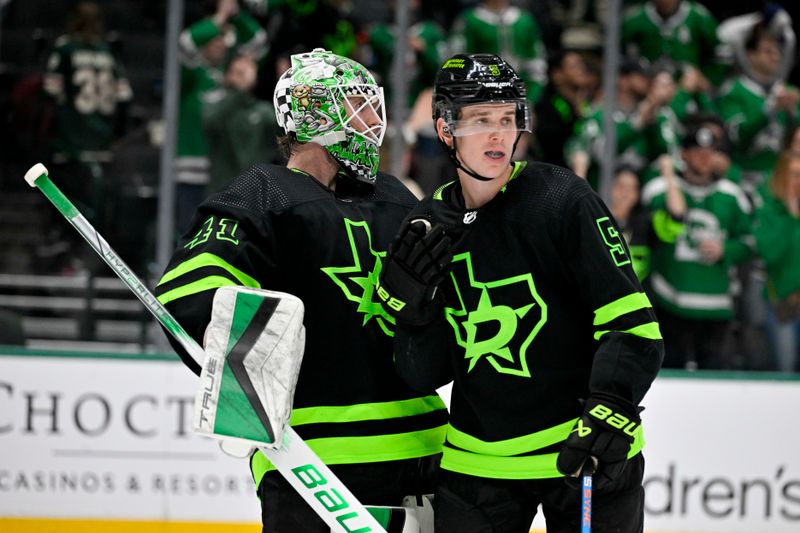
column 254, row 346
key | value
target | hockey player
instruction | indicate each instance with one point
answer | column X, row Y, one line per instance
column 540, row 321
column 319, row 228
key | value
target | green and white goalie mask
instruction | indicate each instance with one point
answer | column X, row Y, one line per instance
column 254, row 346
column 334, row 101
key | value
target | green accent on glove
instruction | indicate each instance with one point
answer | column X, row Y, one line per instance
column 606, row 432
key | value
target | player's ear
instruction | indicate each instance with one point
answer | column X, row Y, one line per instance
column 443, row 130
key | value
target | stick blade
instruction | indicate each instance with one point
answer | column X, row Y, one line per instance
column 35, row 172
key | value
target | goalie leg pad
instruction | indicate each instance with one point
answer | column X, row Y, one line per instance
column 254, row 347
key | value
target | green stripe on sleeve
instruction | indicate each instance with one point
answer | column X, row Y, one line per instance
column 646, row 331
column 205, row 284
column 617, row 308
column 205, row 260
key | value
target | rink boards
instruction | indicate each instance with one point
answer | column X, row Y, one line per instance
column 99, row 442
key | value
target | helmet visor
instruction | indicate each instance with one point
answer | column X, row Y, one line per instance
column 365, row 112
column 498, row 116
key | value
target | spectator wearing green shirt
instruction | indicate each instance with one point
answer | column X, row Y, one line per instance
column 427, row 50
column 497, row 27
column 241, row 130
column 758, row 108
column 690, row 269
column 91, row 93
column 205, row 47
column 645, row 126
column 674, row 33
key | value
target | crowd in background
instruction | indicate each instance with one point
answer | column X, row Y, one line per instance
column 707, row 189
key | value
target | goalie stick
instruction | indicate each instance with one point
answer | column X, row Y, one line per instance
column 302, row 468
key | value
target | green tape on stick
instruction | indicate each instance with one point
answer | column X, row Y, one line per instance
column 37, row 176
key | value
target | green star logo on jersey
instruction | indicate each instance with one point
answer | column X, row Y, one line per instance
column 358, row 285
column 513, row 328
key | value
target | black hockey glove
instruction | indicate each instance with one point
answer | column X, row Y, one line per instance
column 604, row 432
column 418, row 260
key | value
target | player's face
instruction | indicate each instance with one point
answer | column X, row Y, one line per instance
column 487, row 146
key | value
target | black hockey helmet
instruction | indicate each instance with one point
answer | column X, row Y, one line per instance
column 473, row 79
column 478, row 79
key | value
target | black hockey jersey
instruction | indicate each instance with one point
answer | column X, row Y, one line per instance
column 542, row 308
column 279, row 229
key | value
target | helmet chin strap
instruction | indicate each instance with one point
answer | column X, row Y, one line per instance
column 451, row 151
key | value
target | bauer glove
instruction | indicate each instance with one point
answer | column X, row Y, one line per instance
column 417, row 262
column 603, row 435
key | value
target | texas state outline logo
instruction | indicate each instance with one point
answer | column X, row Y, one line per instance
column 357, row 282
column 496, row 321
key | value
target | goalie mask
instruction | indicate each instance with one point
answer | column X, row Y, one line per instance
column 334, row 101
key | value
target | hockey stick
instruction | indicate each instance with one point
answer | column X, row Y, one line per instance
column 586, row 497
column 302, row 468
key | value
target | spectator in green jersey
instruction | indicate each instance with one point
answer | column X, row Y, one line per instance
column 690, row 277
column 758, row 108
column 241, row 129
column 204, row 48
column 497, row 27
column 635, row 222
column 427, row 50
column 734, row 32
column 645, row 126
column 91, row 92
column 674, row 33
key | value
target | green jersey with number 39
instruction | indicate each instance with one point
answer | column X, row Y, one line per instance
column 88, row 83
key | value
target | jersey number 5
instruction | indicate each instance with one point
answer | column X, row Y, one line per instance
column 613, row 241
